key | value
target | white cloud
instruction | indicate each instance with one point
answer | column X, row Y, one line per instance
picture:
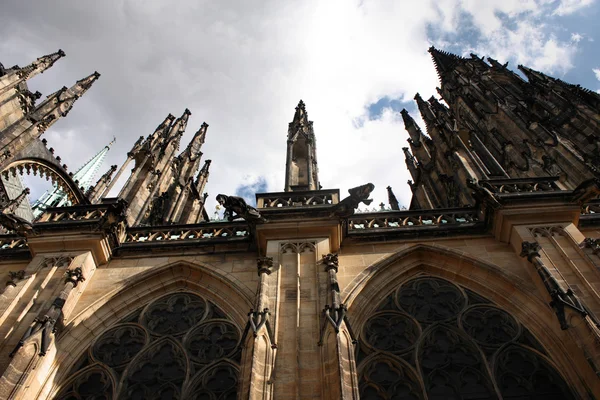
column 597, row 73
column 576, row 37
column 243, row 68
column 566, row 7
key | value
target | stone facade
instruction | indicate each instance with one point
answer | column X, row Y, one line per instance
column 488, row 289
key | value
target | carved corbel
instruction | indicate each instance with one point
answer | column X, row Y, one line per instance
column 74, row 276
column 264, row 265
column 15, row 277
column 560, row 297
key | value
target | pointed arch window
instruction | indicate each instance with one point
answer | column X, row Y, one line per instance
column 431, row 339
column 180, row 346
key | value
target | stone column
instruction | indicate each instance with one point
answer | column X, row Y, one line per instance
column 257, row 365
column 336, row 340
column 117, row 176
column 28, row 356
column 570, row 311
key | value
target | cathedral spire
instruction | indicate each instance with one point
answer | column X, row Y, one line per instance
column 412, row 128
column 194, row 146
column 8, row 81
column 425, row 111
column 40, row 65
column 444, row 61
column 84, row 178
column 301, row 165
column 35, row 123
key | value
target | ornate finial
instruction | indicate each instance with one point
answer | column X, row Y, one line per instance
column 331, row 261
column 114, row 139
column 301, row 105
column 74, row 276
column 392, row 200
column 264, row 265
column 530, row 250
column 12, row 205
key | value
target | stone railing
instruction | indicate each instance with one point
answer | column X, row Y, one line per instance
column 187, row 233
column 402, row 220
column 12, row 242
column 64, row 214
column 13, row 247
column 521, row 185
column 297, row 199
column 590, row 213
column 591, row 208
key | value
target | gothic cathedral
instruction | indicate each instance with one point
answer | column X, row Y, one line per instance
column 486, row 287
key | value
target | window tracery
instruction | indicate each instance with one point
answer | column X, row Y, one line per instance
column 432, row 339
column 180, row 346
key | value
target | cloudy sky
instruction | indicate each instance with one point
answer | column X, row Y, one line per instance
column 243, row 66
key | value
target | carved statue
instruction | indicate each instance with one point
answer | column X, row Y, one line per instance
column 237, row 205
column 157, row 211
column 359, row 194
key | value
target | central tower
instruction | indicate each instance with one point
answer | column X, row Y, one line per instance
column 301, row 170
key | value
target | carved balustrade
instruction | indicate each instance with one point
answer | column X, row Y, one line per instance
column 399, row 220
column 180, row 233
column 12, row 242
column 521, row 185
column 297, row 199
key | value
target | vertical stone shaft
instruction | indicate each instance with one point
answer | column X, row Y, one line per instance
column 117, row 176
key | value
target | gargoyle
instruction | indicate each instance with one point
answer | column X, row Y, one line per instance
column 482, row 194
column 359, row 194
column 237, row 205
column 586, row 191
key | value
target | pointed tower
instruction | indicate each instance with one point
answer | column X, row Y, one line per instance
column 301, row 165
column 15, row 76
column 19, row 134
column 84, row 177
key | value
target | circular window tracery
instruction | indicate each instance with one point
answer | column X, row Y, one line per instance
column 459, row 345
column 391, row 331
column 178, row 346
column 430, row 299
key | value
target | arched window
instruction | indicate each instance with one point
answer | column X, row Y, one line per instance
column 179, row 346
column 431, row 339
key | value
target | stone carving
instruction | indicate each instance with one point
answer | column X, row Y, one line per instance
column 15, row 277
column 197, row 359
column 119, row 345
column 482, row 194
column 560, row 297
column 157, row 209
column 386, row 379
column 74, row 276
column 236, row 207
column 359, row 194
column 331, row 262
column 586, row 191
column 264, row 265
column 258, row 319
column 174, row 314
column 391, row 331
column 431, row 299
column 447, row 348
column 13, row 222
column 212, row 341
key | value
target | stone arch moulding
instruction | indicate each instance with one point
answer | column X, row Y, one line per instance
column 55, row 173
column 136, row 292
column 506, row 290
